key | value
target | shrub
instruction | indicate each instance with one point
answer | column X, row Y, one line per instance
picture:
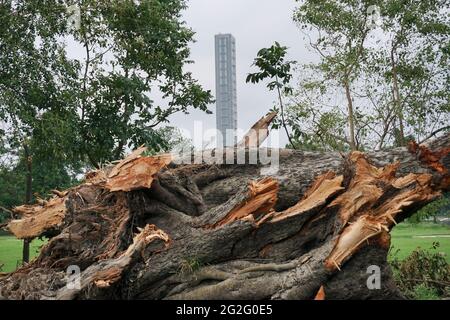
column 422, row 275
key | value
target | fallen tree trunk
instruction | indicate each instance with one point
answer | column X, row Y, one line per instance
column 148, row 228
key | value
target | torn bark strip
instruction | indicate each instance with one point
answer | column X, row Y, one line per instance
column 262, row 196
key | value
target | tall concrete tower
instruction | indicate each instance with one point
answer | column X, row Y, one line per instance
column 226, row 100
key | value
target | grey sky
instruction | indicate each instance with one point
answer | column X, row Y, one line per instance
column 255, row 24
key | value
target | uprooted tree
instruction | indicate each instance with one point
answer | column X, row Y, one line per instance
column 149, row 228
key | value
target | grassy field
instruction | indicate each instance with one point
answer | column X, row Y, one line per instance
column 405, row 238
column 11, row 252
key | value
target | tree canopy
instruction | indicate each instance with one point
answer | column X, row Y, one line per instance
column 379, row 76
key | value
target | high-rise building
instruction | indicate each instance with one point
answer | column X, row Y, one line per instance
column 226, row 100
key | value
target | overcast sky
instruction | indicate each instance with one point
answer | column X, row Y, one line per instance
column 255, row 24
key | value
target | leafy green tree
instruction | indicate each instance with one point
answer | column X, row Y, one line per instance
column 394, row 77
column 90, row 110
column 132, row 50
column 341, row 31
column 34, row 79
column 272, row 65
column 414, row 61
column 60, row 112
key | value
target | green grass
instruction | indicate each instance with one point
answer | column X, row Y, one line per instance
column 11, row 252
column 404, row 238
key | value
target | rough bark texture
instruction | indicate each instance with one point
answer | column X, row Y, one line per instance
column 150, row 229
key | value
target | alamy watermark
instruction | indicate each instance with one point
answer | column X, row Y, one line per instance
column 373, row 17
column 374, row 280
column 73, row 277
column 74, row 19
column 74, row 16
column 226, row 150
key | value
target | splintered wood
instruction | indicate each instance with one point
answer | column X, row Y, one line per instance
column 262, row 196
column 438, row 160
column 136, row 172
column 258, row 133
column 366, row 207
column 132, row 173
column 220, row 221
column 324, row 187
column 370, row 205
column 36, row 219
column 432, row 159
column 110, row 271
column 320, row 294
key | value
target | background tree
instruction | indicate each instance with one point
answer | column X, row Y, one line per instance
column 33, row 72
column 71, row 113
column 133, row 50
column 396, row 70
column 414, row 61
column 337, row 31
column 272, row 65
column 86, row 111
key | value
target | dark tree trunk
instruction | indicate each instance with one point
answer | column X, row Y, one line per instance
column 152, row 229
column 28, row 198
column 26, row 251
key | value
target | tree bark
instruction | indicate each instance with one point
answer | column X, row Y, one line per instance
column 28, row 198
column 149, row 228
column 397, row 98
column 351, row 116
